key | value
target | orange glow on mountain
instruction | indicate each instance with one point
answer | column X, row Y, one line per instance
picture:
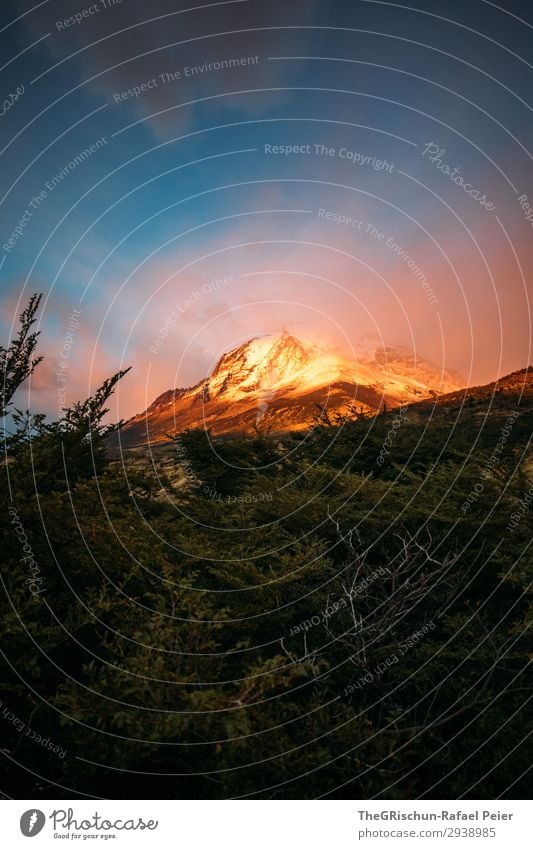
column 280, row 383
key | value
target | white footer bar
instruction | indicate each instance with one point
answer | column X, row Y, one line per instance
column 268, row 824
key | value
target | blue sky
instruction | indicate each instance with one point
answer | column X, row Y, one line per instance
column 181, row 191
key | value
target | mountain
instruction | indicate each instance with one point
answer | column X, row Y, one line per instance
column 280, row 383
column 511, row 389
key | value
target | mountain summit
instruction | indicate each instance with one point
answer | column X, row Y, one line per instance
column 280, row 383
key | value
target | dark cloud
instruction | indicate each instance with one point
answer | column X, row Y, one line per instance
column 130, row 43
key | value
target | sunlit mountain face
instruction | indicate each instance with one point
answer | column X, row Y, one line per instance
column 280, row 383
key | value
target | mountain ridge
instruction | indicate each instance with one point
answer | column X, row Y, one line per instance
column 278, row 382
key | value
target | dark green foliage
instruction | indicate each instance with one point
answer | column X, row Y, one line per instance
column 227, row 467
column 17, row 361
column 170, row 653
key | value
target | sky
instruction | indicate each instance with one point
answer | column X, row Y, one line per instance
column 179, row 177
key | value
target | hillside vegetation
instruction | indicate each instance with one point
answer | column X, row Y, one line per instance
column 342, row 611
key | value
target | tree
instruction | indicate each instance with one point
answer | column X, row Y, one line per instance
column 17, row 361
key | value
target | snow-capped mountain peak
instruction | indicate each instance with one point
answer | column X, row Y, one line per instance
column 280, row 381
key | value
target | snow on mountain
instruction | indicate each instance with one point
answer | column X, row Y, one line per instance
column 280, row 383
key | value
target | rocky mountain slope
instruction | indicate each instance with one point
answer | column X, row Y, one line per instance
column 280, row 383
